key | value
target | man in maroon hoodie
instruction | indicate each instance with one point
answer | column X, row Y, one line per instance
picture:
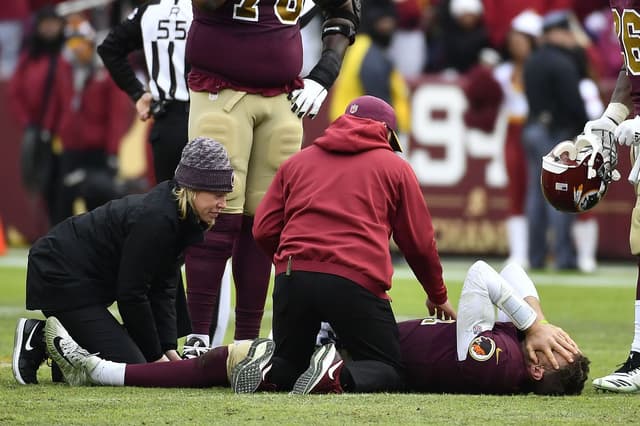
column 326, row 221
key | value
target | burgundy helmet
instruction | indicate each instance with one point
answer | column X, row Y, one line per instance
column 575, row 175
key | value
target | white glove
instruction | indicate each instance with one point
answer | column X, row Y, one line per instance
column 604, row 124
column 628, row 132
column 615, row 113
column 307, row 101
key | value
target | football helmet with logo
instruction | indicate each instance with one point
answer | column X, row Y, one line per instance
column 575, row 175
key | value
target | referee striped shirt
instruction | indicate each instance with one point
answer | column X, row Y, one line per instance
column 160, row 28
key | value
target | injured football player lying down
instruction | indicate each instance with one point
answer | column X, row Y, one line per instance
column 513, row 351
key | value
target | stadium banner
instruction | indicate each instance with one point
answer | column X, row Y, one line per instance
column 461, row 171
column 463, row 176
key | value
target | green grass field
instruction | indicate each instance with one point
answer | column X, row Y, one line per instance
column 597, row 310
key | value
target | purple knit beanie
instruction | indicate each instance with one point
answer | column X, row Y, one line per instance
column 205, row 166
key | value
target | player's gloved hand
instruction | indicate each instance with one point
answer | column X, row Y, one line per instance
column 603, row 123
column 628, row 132
column 307, row 101
column 444, row 311
column 547, row 338
column 614, row 114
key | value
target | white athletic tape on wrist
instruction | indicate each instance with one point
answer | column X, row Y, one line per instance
column 617, row 111
column 522, row 315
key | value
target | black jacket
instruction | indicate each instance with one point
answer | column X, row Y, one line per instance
column 552, row 85
column 126, row 251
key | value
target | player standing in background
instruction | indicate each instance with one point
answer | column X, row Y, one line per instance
column 160, row 29
column 521, row 40
column 613, row 125
column 246, row 92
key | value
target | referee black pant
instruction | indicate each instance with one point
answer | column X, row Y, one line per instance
column 169, row 135
column 365, row 326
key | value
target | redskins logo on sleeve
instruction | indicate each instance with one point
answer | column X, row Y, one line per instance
column 482, row 348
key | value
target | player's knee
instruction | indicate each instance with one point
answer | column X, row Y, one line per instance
column 285, row 141
column 480, row 268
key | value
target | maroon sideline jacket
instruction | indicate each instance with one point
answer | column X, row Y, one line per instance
column 333, row 207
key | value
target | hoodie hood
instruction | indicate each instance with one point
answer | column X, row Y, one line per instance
column 349, row 134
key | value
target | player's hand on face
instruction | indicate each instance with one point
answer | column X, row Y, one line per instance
column 548, row 338
column 628, row 132
column 444, row 311
column 143, row 106
column 308, row 100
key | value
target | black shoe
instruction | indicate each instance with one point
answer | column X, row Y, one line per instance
column 28, row 350
column 631, row 363
column 56, row 373
column 194, row 347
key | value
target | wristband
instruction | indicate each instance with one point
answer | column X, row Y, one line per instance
column 326, row 70
column 616, row 111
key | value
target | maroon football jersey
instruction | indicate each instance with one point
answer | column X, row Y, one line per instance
column 494, row 365
column 248, row 43
column 626, row 18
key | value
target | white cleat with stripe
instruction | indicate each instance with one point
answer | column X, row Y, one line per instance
column 625, row 380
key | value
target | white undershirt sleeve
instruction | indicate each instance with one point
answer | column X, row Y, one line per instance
column 521, row 283
column 482, row 291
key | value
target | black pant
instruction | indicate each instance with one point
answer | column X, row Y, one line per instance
column 168, row 137
column 363, row 322
column 97, row 331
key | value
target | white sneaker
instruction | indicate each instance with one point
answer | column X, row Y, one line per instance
column 90, row 366
column 66, row 353
column 626, row 379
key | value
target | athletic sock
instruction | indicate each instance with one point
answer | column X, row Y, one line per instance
column 206, row 370
column 635, row 346
column 108, row 373
column 205, row 264
column 251, row 274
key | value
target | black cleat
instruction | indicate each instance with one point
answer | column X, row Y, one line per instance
column 28, row 350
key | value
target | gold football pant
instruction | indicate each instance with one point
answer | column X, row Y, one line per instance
column 258, row 132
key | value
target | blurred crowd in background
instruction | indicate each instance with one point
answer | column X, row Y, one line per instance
column 57, row 85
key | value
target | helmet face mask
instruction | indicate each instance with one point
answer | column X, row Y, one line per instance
column 575, row 175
